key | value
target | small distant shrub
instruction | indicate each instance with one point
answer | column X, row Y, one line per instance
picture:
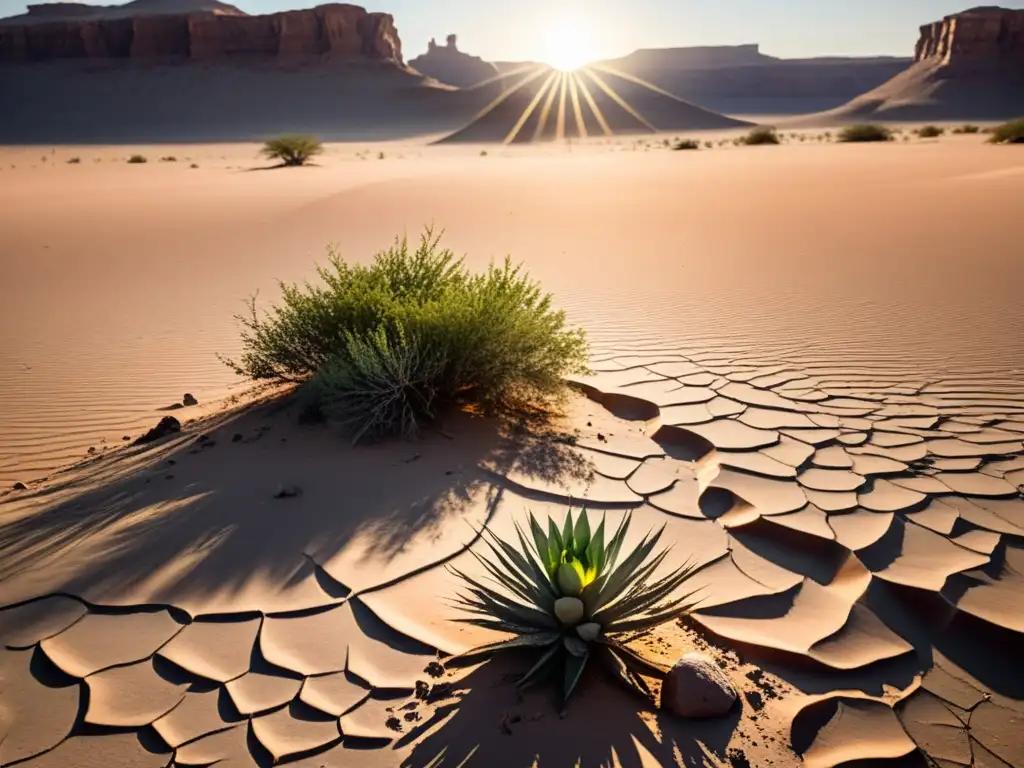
column 383, row 348
column 380, row 155
column 864, row 133
column 709, row 144
column 194, row 165
column 930, row 132
column 74, row 160
column 169, row 159
column 483, row 153
column 967, row 129
column 1008, row 133
column 759, row 136
column 137, row 159
column 292, row 149
column 684, row 144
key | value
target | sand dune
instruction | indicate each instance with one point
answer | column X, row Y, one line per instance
column 542, row 104
column 928, row 91
column 805, row 367
column 106, row 103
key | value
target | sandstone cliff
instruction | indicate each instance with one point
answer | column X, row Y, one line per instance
column 986, row 39
column 969, row 66
column 336, row 31
column 447, row 64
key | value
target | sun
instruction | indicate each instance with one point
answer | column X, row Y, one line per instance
column 568, row 43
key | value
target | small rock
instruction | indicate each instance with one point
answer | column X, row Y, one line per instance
column 126, row 438
column 237, row 437
column 188, row 400
column 287, row 491
column 168, row 477
column 168, row 426
column 601, row 437
column 696, row 687
column 92, row 449
column 19, row 486
column 205, row 441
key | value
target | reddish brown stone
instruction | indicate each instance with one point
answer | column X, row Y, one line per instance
column 337, row 31
column 981, row 39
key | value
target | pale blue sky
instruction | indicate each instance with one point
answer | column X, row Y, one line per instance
column 524, row 29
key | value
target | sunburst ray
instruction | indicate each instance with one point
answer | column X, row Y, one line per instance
column 577, row 110
column 530, row 108
column 595, row 110
column 545, row 113
column 599, row 81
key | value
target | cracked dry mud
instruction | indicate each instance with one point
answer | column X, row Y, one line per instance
column 860, row 535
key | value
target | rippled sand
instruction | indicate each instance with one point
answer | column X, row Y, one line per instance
column 808, row 367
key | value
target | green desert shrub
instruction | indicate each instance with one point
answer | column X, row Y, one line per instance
column 684, row 144
column 930, row 132
column 1008, row 133
column 137, row 159
column 383, row 348
column 759, row 136
column 572, row 597
column 292, row 149
column 864, row 132
column 967, row 129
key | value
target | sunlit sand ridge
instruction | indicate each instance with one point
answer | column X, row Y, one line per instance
column 806, row 367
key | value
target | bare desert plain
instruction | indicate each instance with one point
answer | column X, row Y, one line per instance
column 808, row 365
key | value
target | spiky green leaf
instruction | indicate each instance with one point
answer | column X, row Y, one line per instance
column 615, row 544
column 573, row 672
column 595, row 550
column 619, row 578
column 575, row 645
column 545, row 665
column 567, row 540
column 671, row 611
column 646, row 599
column 632, row 659
column 534, row 640
column 526, row 564
column 540, row 575
column 540, row 541
column 624, row 674
column 554, row 542
column 581, row 534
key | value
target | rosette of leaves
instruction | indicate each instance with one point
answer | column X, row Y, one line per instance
column 574, row 596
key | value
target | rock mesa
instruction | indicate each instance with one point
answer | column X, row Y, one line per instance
column 336, row 31
column 985, row 39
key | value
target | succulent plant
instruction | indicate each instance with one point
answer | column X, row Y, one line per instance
column 567, row 594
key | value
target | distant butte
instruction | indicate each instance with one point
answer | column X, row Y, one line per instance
column 448, row 65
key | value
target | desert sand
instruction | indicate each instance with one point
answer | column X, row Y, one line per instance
column 807, row 366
